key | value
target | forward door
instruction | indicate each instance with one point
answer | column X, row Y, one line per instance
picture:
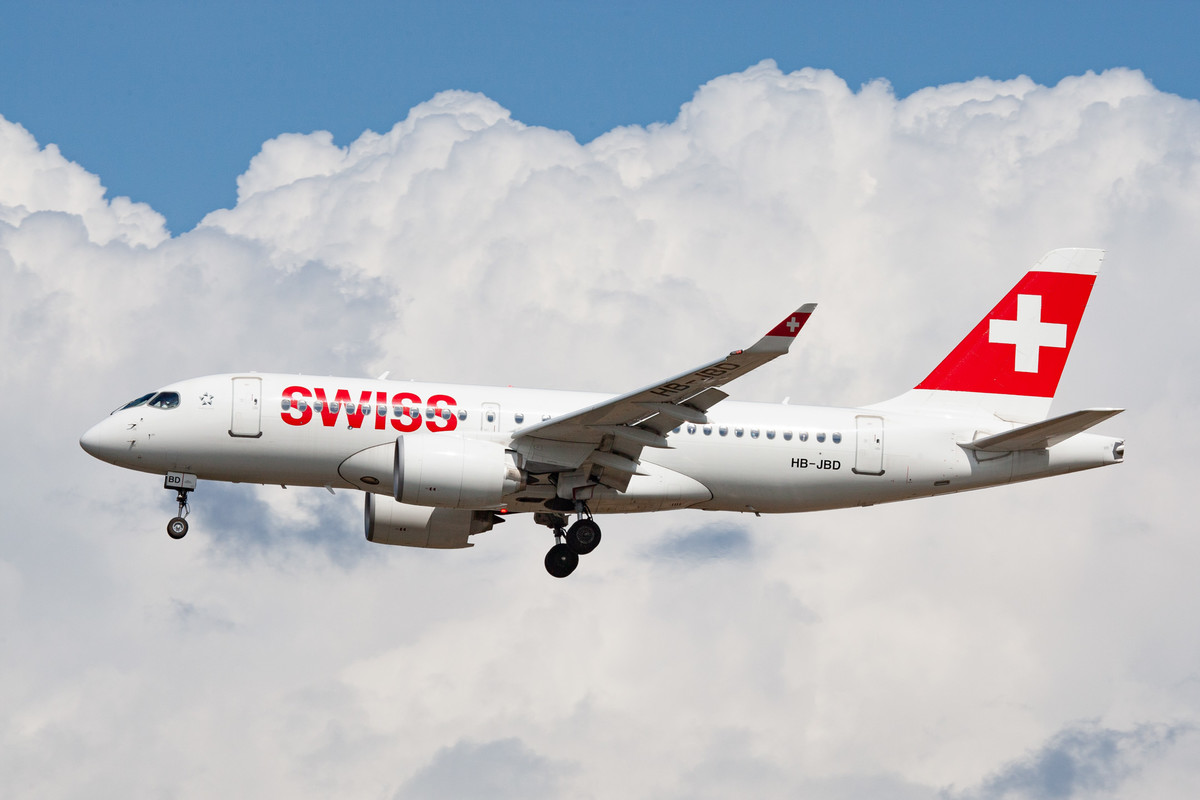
column 247, row 408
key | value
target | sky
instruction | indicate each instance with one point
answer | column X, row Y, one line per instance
column 167, row 102
column 593, row 197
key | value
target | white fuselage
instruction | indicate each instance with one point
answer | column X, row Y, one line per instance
column 770, row 458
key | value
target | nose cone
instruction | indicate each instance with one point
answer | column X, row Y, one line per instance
column 101, row 441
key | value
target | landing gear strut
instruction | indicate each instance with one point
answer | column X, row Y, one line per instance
column 177, row 528
column 569, row 543
column 182, row 483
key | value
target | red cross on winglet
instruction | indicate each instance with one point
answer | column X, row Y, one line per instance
column 791, row 325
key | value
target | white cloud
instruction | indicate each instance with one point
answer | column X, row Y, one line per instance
column 895, row 649
column 42, row 180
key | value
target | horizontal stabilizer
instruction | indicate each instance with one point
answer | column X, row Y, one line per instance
column 1044, row 434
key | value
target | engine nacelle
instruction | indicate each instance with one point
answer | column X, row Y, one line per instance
column 389, row 522
column 438, row 469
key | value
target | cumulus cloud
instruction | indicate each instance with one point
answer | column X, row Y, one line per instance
column 900, row 649
column 41, row 179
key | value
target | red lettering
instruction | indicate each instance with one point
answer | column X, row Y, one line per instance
column 405, row 413
column 297, row 413
column 330, row 411
column 381, row 410
column 355, row 415
column 405, row 421
column 444, row 419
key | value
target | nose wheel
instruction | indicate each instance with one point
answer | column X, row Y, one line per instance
column 177, row 528
column 570, row 543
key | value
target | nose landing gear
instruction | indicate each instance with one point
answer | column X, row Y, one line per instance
column 569, row 543
column 182, row 483
column 177, row 528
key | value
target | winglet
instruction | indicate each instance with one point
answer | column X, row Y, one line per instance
column 779, row 338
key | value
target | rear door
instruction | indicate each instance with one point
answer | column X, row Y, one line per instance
column 868, row 458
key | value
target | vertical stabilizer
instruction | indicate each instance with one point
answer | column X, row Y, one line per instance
column 1010, row 363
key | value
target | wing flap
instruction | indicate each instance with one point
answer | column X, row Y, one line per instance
column 1044, row 434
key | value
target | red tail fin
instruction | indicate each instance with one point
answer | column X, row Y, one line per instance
column 1012, row 360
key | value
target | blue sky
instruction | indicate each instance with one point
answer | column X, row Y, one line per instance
column 167, row 102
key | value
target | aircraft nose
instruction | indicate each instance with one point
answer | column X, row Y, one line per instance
column 98, row 441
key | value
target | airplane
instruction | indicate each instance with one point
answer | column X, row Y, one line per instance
column 442, row 463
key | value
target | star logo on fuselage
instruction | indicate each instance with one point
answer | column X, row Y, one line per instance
column 206, row 399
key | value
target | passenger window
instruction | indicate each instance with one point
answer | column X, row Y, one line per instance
column 754, row 433
column 770, row 433
column 677, row 430
column 287, row 404
column 318, row 406
column 491, row 416
column 381, row 411
column 462, row 413
column 724, row 431
column 737, row 432
column 837, row 438
column 804, row 436
column 519, row 417
column 821, row 436
column 429, row 412
column 707, row 430
column 787, row 436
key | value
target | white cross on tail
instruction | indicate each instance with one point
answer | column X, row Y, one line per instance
column 1027, row 332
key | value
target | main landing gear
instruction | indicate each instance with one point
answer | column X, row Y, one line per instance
column 182, row 483
column 578, row 540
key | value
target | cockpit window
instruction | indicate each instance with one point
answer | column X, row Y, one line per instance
column 165, row 400
column 135, row 403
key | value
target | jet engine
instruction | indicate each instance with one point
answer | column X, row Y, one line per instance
column 389, row 522
column 454, row 472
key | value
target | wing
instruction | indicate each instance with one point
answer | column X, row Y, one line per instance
column 610, row 435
